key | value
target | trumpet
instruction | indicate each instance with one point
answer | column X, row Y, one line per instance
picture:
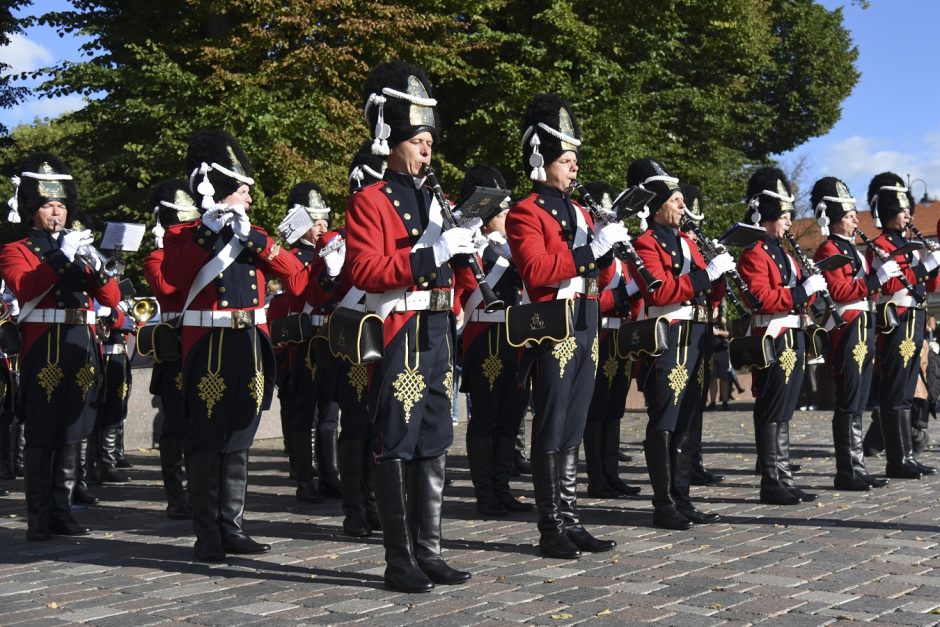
column 143, row 310
column 810, row 268
column 337, row 243
column 93, row 258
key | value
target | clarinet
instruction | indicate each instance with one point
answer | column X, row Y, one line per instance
column 624, row 250
column 712, row 250
column 809, row 268
column 931, row 246
column 491, row 302
column 884, row 256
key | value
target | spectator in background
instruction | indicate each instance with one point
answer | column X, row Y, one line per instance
column 721, row 364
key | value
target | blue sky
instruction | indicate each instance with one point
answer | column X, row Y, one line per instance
column 890, row 121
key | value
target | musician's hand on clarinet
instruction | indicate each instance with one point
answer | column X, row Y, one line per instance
column 606, row 235
column 71, row 242
column 334, row 261
column 498, row 243
column 888, row 270
column 241, row 225
column 932, row 261
column 719, row 265
column 455, row 241
column 216, row 218
column 814, row 284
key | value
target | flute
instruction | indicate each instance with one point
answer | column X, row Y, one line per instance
column 884, row 256
column 491, row 302
column 810, row 268
column 623, row 250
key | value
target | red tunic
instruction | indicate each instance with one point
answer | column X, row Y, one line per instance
column 763, row 277
column 185, row 256
column 28, row 276
column 888, row 241
column 844, row 287
column 378, row 253
column 171, row 299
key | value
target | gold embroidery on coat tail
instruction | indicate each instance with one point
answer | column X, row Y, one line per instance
column 563, row 352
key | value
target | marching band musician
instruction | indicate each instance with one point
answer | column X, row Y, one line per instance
column 497, row 403
column 613, row 378
column 172, row 205
column 851, row 347
column 899, row 351
column 59, row 362
column 220, row 262
column 674, row 381
column 397, row 253
column 311, row 385
column 559, row 257
column 773, row 276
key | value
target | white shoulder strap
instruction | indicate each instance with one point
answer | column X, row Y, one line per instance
column 569, row 287
column 213, row 267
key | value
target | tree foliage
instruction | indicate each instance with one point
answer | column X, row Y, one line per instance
column 10, row 94
column 711, row 87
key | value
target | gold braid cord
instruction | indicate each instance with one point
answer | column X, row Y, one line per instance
column 492, row 368
column 409, row 389
column 610, row 370
column 596, row 352
column 700, row 376
column 358, row 378
column 907, row 350
column 85, row 378
column 256, row 389
column 449, row 384
column 124, row 388
column 859, row 353
column 678, row 378
column 49, row 378
column 211, row 388
column 563, row 352
column 3, row 390
column 311, row 366
column 179, row 380
column 787, row 361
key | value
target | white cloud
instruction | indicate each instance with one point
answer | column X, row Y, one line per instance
column 28, row 112
column 24, row 55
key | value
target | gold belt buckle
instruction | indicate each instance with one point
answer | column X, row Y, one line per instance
column 590, row 287
column 75, row 316
column 242, row 319
column 440, row 300
column 699, row 313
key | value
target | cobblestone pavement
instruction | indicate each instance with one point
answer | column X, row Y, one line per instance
column 848, row 556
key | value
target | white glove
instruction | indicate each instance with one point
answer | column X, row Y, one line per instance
column 70, row 242
column 241, row 225
column 216, row 218
column 499, row 244
column 888, row 270
column 334, row 261
column 719, row 266
column 455, row 241
column 606, row 236
column 932, row 261
column 814, row 284
column 472, row 223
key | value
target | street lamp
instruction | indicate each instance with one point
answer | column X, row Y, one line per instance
column 926, row 199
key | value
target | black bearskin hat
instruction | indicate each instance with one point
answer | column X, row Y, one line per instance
column 540, row 146
column 217, row 166
column 366, row 168
column 694, row 207
column 42, row 177
column 888, row 196
column 398, row 104
column 769, row 195
column 310, row 196
column 172, row 203
column 482, row 175
column 830, row 200
column 649, row 174
column 602, row 193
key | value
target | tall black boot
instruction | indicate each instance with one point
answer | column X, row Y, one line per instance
column 845, row 478
column 784, row 467
column 875, row 440
column 546, row 473
column 402, row 572
column 327, row 462
column 571, row 518
column 900, row 461
column 611, row 459
column 372, row 509
column 907, row 438
column 504, row 449
column 307, row 490
column 119, row 449
column 7, row 473
column 680, row 459
column 205, row 479
column 38, row 486
column 480, row 459
column 108, row 470
column 657, row 450
column 174, row 476
column 234, row 490
column 521, row 464
column 701, row 475
column 772, row 489
column 425, row 499
column 858, row 455
column 352, row 469
column 19, row 446
column 64, row 469
column 81, row 495
column 598, row 486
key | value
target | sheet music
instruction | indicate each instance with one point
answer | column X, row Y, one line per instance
column 124, row 235
column 293, row 227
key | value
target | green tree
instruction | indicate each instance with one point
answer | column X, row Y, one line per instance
column 10, row 93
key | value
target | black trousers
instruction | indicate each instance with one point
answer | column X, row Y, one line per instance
column 352, row 394
column 851, row 360
column 899, row 356
column 490, row 368
column 778, row 387
column 674, row 382
column 612, row 382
